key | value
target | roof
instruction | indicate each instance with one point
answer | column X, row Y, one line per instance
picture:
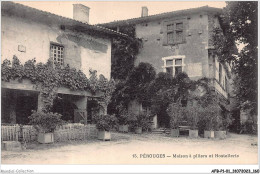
column 19, row 10
column 162, row 16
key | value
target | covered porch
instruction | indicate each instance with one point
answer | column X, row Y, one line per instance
column 20, row 98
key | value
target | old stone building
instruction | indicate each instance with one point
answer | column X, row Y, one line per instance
column 181, row 41
column 31, row 33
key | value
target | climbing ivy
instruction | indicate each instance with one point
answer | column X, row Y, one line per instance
column 50, row 76
column 124, row 52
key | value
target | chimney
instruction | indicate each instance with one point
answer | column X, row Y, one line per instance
column 81, row 13
column 144, row 12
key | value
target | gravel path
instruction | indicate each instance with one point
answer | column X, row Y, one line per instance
column 141, row 149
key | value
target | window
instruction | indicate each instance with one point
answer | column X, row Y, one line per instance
column 220, row 74
column 173, row 65
column 175, row 33
column 226, row 84
column 57, row 53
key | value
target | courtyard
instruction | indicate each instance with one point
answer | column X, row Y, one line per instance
column 146, row 148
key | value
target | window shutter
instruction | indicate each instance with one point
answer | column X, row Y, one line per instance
column 164, row 30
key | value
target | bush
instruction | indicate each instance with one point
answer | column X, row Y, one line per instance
column 105, row 122
column 209, row 117
column 45, row 122
column 176, row 113
column 123, row 118
column 224, row 121
column 193, row 114
column 139, row 120
column 249, row 127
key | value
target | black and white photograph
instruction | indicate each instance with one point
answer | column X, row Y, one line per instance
column 129, row 83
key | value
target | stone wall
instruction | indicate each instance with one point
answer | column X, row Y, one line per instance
column 194, row 48
column 29, row 39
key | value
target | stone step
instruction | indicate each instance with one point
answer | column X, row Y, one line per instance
column 158, row 132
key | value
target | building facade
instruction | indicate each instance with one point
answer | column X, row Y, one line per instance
column 181, row 41
column 29, row 33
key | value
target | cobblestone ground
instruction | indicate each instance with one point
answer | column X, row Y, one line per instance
column 141, row 149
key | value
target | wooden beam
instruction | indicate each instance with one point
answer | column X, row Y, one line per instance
column 29, row 86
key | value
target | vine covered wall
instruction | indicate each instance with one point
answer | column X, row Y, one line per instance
column 50, row 76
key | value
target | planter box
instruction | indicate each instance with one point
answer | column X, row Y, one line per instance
column 208, row 134
column 123, row 128
column 104, row 135
column 45, row 138
column 138, row 130
column 221, row 134
column 193, row 133
column 11, row 145
column 175, row 133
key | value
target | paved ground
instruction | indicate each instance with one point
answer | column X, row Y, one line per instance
column 141, row 149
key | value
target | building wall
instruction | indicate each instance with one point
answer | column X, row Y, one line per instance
column 194, row 49
column 81, row 51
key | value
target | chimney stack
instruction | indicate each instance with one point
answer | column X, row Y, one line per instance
column 81, row 13
column 144, row 12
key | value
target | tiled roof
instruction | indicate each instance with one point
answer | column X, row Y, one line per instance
column 23, row 11
column 162, row 16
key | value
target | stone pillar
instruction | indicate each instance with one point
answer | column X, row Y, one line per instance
column 12, row 108
column 13, row 113
column 104, row 106
column 40, row 105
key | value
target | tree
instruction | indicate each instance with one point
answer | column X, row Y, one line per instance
column 134, row 87
column 166, row 89
column 239, row 24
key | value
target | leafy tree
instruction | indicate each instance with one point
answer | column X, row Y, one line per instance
column 239, row 24
column 134, row 87
column 165, row 89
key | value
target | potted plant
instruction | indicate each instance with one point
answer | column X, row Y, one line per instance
column 175, row 111
column 45, row 123
column 209, row 116
column 139, row 122
column 193, row 113
column 104, row 123
column 123, row 122
column 222, row 124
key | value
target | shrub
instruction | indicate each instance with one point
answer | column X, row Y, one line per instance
column 123, row 118
column 193, row 113
column 209, row 117
column 249, row 127
column 224, row 121
column 176, row 113
column 140, row 120
column 45, row 122
column 105, row 122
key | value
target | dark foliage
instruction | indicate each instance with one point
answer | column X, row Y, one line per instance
column 239, row 24
column 45, row 122
column 124, row 53
column 51, row 76
column 105, row 122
